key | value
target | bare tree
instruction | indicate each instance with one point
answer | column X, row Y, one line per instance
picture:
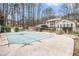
column 47, row 14
column 69, row 10
column 38, row 12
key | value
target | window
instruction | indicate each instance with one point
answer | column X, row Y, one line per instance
column 63, row 25
column 71, row 25
column 60, row 25
column 67, row 25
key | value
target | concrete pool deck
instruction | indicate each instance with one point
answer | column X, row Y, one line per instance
column 57, row 45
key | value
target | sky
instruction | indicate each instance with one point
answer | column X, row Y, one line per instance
column 55, row 7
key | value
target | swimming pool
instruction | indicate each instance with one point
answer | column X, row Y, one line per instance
column 26, row 37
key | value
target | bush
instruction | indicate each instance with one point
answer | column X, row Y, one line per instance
column 40, row 29
column 7, row 29
column 36, row 29
column 16, row 29
column 44, row 27
column 2, row 29
column 76, row 32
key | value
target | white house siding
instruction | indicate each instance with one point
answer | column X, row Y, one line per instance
column 48, row 24
column 65, row 23
column 51, row 23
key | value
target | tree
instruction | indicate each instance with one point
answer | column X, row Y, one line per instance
column 22, row 14
column 39, row 5
column 2, row 22
column 47, row 14
column 69, row 10
column 64, row 9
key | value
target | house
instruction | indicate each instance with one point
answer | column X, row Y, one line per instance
column 77, row 26
column 41, row 26
column 66, row 25
column 62, row 24
column 51, row 23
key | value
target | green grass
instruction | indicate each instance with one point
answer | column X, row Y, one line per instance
column 76, row 47
column 76, row 44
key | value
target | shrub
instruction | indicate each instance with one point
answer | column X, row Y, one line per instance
column 7, row 29
column 16, row 29
column 2, row 29
column 40, row 29
column 76, row 32
column 36, row 29
column 44, row 27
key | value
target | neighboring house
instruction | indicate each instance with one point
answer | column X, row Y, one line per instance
column 62, row 24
